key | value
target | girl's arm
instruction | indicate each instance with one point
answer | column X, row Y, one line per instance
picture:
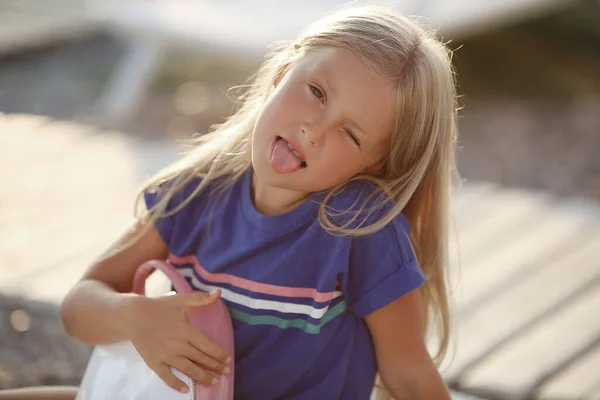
column 402, row 357
column 96, row 310
column 100, row 310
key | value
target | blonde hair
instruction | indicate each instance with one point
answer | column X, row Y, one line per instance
column 418, row 167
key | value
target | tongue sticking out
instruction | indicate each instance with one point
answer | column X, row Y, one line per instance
column 283, row 161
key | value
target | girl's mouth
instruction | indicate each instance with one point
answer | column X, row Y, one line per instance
column 285, row 158
column 294, row 151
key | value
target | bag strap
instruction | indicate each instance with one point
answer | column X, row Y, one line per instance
column 144, row 270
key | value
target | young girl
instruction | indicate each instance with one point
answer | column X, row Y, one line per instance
column 308, row 209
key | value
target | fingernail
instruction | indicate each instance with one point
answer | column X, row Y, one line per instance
column 183, row 389
column 214, row 381
column 214, row 291
column 226, row 370
column 228, row 360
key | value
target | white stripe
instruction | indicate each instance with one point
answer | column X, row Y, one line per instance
column 259, row 304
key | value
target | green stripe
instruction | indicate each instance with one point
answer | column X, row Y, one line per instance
column 289, row 323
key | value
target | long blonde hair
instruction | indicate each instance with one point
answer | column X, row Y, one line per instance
column 420, row 162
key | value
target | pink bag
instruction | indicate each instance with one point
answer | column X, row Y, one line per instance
column 117, row 372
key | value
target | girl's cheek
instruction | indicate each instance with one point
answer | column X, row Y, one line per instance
column 296, row 101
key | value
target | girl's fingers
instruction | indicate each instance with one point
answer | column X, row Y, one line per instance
column 207, row 346
column 201, row 358
column 194, row 300
column 194, row 372
column 165, row 373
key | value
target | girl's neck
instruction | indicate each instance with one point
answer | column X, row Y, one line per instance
column 270, row 200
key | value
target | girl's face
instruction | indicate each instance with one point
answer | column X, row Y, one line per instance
column 328, row 119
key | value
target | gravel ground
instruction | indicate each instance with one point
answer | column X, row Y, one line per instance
column 551, row 147
column 35, row 350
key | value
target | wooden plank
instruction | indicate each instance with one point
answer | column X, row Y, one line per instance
column 44, row 143
column 92, row 187
column 87, row 181
column 53, row 281
column 526, row 247
column 577, row 381
column 528, row 299
column 515, row 368
column 469, row 194
column 500, row 215
column 499, row 219
column 15, row 137
column 21, row 123
column 491, row 211
column 594, row 394
column 462, row 200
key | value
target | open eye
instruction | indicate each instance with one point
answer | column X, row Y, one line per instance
column 318, row 93
column 353, row 137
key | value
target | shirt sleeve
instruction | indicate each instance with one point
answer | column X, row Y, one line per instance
column 382, row 268
column 164, row 224
column 168, row 222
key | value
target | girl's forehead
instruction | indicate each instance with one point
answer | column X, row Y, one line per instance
column 328, row 57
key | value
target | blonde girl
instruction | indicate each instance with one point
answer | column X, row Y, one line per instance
column 317, row 212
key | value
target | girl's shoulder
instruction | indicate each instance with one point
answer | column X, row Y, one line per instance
column 180, row 206
column 382, row 265
column 185, row 197
column 188, row 192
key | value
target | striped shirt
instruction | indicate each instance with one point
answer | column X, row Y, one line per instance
column 297, row 295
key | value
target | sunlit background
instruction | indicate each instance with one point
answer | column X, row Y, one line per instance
column 96, row 94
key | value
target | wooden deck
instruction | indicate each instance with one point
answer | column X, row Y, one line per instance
column 527, row 293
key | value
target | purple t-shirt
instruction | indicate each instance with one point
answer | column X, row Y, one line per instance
column 297, row 294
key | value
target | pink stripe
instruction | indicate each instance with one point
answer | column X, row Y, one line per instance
column 250, row 285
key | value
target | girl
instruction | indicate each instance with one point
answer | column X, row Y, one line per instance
column 308, row 210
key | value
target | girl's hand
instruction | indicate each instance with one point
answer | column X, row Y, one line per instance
column 164, row 338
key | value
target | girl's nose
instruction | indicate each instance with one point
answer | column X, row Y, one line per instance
column 314, row 133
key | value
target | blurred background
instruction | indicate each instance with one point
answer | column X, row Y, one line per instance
column 95, row 96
